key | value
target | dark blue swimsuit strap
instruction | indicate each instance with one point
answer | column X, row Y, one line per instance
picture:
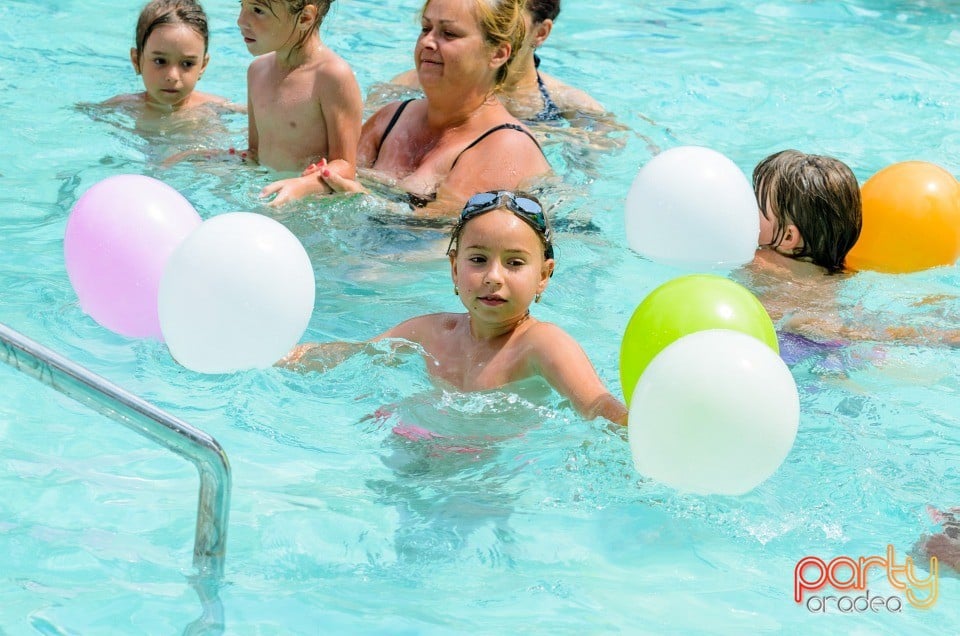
column 550, row 111
column 490, row 132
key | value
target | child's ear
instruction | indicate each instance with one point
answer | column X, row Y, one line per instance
column 546, row 271
column 135, row 59
column 453, row 265
column 308, row 16
column 203, row 67
column 792, row 240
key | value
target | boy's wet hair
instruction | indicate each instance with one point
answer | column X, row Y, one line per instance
column 818, row 194
column 294, row 7
column 161, row 12
column 541, row 10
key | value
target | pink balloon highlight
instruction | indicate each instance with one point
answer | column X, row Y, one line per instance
column 119, row 237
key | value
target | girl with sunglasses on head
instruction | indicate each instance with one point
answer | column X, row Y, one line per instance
column 501, row 259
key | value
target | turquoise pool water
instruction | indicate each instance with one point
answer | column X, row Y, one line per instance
column 524, row 517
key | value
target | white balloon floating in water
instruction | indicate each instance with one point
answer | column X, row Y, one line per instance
column 693, row 208
column 715, row 412
column 236, row 294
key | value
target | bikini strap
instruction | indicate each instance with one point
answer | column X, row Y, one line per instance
column 550, row 110
column 490, row 132
column 391, row 124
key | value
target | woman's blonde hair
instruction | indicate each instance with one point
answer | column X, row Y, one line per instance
column 501, row 22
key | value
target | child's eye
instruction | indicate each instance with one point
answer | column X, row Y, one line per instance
column 188, row 65
column 477, row 259
column 516, row 262
column 159, row 61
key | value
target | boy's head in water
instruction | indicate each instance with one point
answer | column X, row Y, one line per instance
column 810, row 207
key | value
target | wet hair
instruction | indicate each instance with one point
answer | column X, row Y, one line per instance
column 294, row 7
column 541, row 10
column 501, row 22
column 545, row 235
column 820, row 195
column 162, row 12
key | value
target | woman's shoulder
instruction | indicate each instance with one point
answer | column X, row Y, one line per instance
column 570, row 99
column 516, row 133
column 386, row 114
column 508, row 142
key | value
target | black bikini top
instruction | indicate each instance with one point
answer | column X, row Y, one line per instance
column 417, row 200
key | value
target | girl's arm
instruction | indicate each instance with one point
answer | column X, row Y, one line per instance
column 563, row 363
column 319, row 356
column 342, row 109
column 323, row 356
column 253, row 137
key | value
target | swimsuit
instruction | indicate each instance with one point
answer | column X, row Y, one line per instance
column 550, row 112
column 419, row 201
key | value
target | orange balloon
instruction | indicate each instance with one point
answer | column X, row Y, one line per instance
column 911, row 219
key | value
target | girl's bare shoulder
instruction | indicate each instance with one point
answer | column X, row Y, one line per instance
column 540, row 333
column 422, row 327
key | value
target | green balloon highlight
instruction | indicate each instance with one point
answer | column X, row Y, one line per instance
column 683, row 306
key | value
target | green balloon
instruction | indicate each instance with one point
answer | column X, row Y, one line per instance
column 683, row 306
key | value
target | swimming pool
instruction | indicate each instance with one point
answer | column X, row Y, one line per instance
column 524, row 517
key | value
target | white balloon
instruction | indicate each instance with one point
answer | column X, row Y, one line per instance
column 715, row 412
column 236, row 294
column 692, row 207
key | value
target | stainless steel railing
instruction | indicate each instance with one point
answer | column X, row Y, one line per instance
column 84, row 386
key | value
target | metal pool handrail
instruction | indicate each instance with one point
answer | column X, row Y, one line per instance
column 84, row 386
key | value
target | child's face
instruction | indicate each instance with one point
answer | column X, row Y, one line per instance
column 768, row 227
column 172, row 62
column 265, row 26
column 499, row 267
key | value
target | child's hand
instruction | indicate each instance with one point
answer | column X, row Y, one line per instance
column 946, row 549
column 293, row 359
column 287, row 190
column 314, row 168
column 337, row 183
column 231, row 154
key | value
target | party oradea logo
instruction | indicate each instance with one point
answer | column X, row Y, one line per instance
column 814, row 580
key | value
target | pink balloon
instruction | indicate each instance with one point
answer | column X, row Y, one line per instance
column 118, row 239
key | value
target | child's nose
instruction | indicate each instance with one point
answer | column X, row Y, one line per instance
column 494, row 274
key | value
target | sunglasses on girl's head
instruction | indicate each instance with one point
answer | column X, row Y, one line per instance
column 524, row 206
